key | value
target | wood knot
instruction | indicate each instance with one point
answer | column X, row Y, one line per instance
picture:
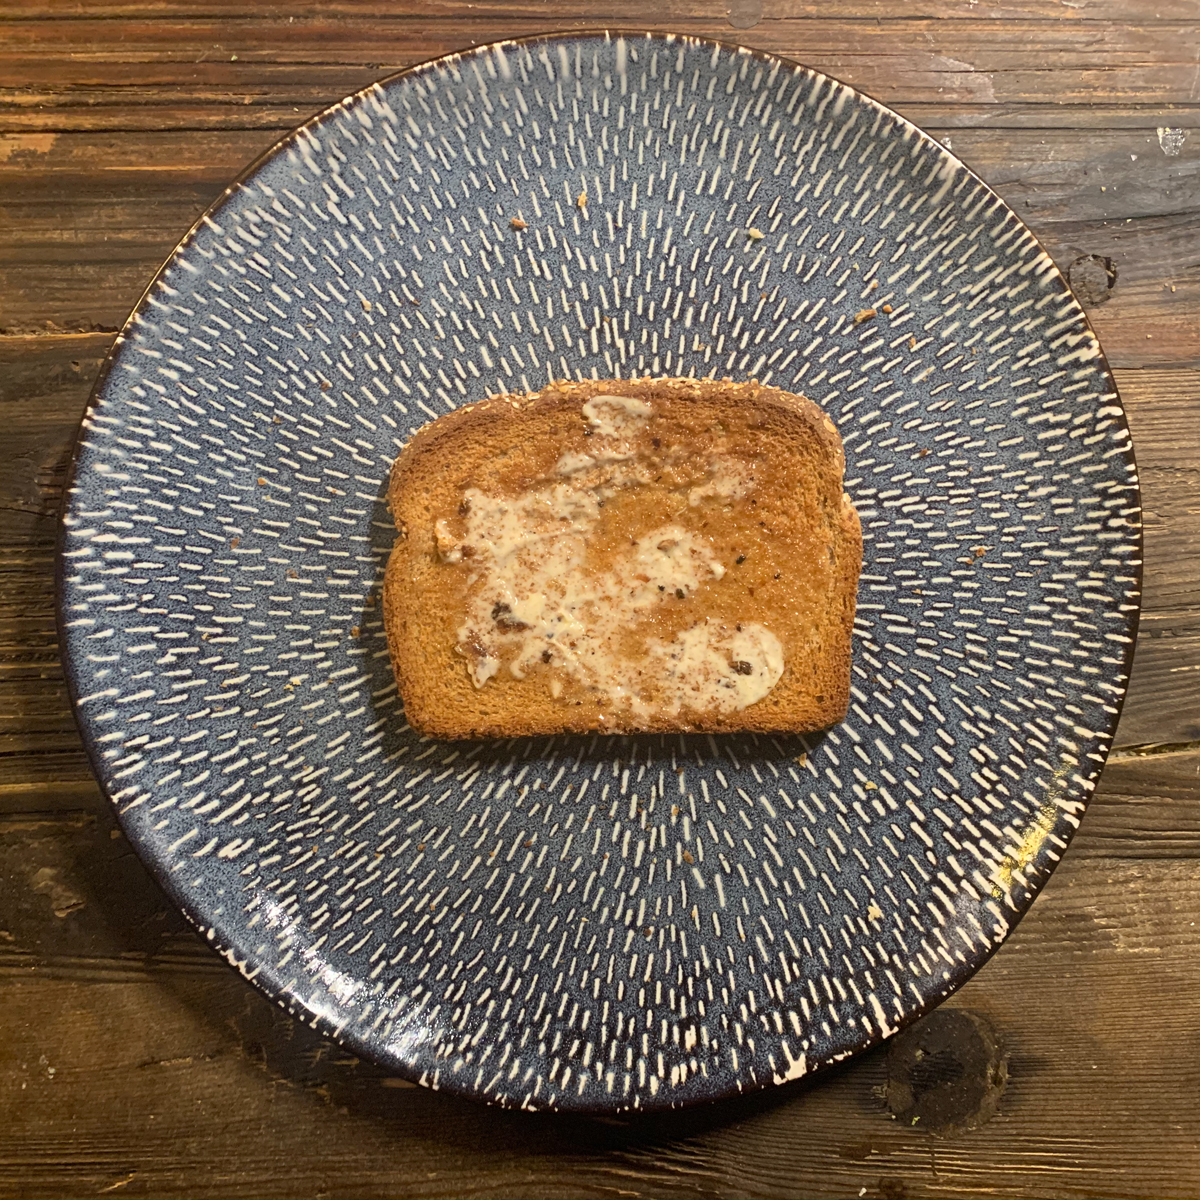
column 947, row 1073
column 1093, row 278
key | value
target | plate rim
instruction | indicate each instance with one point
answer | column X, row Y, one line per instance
column 348, row 1036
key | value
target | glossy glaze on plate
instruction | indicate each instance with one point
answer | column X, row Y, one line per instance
column 599, row 923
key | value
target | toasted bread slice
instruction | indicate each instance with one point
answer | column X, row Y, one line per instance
column 625, row 556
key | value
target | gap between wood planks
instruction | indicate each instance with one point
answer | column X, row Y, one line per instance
column 1153, row 749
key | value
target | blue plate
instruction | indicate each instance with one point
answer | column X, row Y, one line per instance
column 599, row 923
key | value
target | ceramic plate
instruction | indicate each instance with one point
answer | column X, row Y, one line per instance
column 599, row 923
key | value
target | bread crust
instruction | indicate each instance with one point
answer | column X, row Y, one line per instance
column 426, row 482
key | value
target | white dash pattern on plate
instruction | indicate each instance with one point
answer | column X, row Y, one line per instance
column 599, row 923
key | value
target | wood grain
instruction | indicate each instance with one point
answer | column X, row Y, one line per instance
column 44, row 384
column 87, row 74
column 80, row 236
column 1095, row 997
column 613, row 12
column 134, row 1062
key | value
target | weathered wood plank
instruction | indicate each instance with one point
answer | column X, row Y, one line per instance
column 86, row 219
column 35, row 717
column 1161, row 706
column 1058, row 174
column 222, row 1094
column 990, row 43
column 980, row 62
column 1059, row 177
column 612, row 12
column 74, row 863
column 1141, row 808
column 1145, row 807
column 77, row 902
column 48, row 783
column 1162, row 703
column 44, row 383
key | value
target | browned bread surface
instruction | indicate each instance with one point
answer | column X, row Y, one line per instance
column 682, row 525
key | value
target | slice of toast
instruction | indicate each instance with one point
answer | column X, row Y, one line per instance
column 625, row 556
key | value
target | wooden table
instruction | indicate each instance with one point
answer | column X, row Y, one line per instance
column 134, row 1062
